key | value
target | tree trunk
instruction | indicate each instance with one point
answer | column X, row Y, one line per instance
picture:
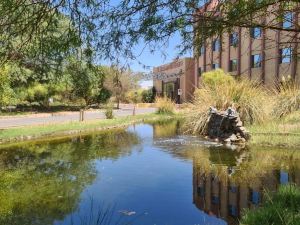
column 118, row 103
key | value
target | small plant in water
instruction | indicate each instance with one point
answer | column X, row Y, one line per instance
column 103, row 215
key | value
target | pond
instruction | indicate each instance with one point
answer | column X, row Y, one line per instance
column 146, row 174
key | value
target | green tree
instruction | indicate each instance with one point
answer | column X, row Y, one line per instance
column 6, row 92
column 119, row 81
column 87, row 80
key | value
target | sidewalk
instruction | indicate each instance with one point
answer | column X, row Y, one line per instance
column 59, row 117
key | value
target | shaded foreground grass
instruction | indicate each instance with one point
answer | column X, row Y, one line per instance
column 281, row 208
column 283, row 132
column 75, row 128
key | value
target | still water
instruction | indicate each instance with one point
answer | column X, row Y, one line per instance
column 147, row 174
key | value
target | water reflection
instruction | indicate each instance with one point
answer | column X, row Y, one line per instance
column 226, row 190
column 226, row 182
column 41, row 183
column 155, row 171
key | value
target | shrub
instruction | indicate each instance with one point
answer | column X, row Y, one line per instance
column 109, row 113
column 37, row 93
column 133, row 96
column 217, row 77
column 251, row 101
column 103, row 96
column 287, row 100
column 148, row 96
column 278, row 209
column 6, row 92
column 165, row 105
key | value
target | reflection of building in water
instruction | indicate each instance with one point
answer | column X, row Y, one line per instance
column 225, row 197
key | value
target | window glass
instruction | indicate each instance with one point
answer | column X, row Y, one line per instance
column 255, row 197
column 284, row 177
column 233, row 210
column 234, row 39
column 286, row 55
column 199, row 71
column 216, row 45
column 215, row 200
column 233, row 65
column 201, row 51
column 256, row 61
column 201, row 191
column 215, row 66
column 255, row 32
column 287, row 20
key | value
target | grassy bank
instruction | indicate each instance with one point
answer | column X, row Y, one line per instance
column 280, row 209
column 283, row 132
column 75, row 128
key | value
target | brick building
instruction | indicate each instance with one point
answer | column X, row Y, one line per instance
column 262, row 55
column 175, row 80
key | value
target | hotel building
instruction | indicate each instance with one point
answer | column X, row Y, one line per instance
column 175, row 80
column 262, row 55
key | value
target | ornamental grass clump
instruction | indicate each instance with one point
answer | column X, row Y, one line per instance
column 222, row 91
column 287, row 100
column 164, row 105
column 278, row 209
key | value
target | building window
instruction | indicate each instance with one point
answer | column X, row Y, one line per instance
column 234, row 39
column 233, row 65
column 233, row 210
column 284, row 177
column 215, row 66
column 215, row 200
column 256, row 61
column 285, row 55
column 255, row 197
column 287, row 20
column 216, row 45
column 201, row 191
column 201, row 51
column 255, row 32
column 199, row 71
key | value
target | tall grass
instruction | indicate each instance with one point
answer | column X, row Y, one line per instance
column 282, row 208
column 250, row 100
column 287, row 100
column 164, row 105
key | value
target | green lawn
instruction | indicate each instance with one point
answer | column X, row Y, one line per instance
column 75, row 128
column 284, row 132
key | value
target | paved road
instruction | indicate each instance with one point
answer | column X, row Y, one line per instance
column 48, row 118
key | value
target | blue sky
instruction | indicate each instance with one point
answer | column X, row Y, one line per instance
column 159, row 57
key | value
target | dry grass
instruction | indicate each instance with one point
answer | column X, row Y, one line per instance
column 253, row 103
column 287, row 101
column 165, row 105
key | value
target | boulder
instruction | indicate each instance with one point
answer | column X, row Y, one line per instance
column 226, row 126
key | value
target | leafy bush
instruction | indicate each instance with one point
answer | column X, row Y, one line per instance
column 109, row 113
column 248, row 98
column 6, row 92
column 217, row 77
column 165, row 105
column 103, row 96
column 133, row 96
column 37, row 93
column 148, row 96
column 279, row 209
